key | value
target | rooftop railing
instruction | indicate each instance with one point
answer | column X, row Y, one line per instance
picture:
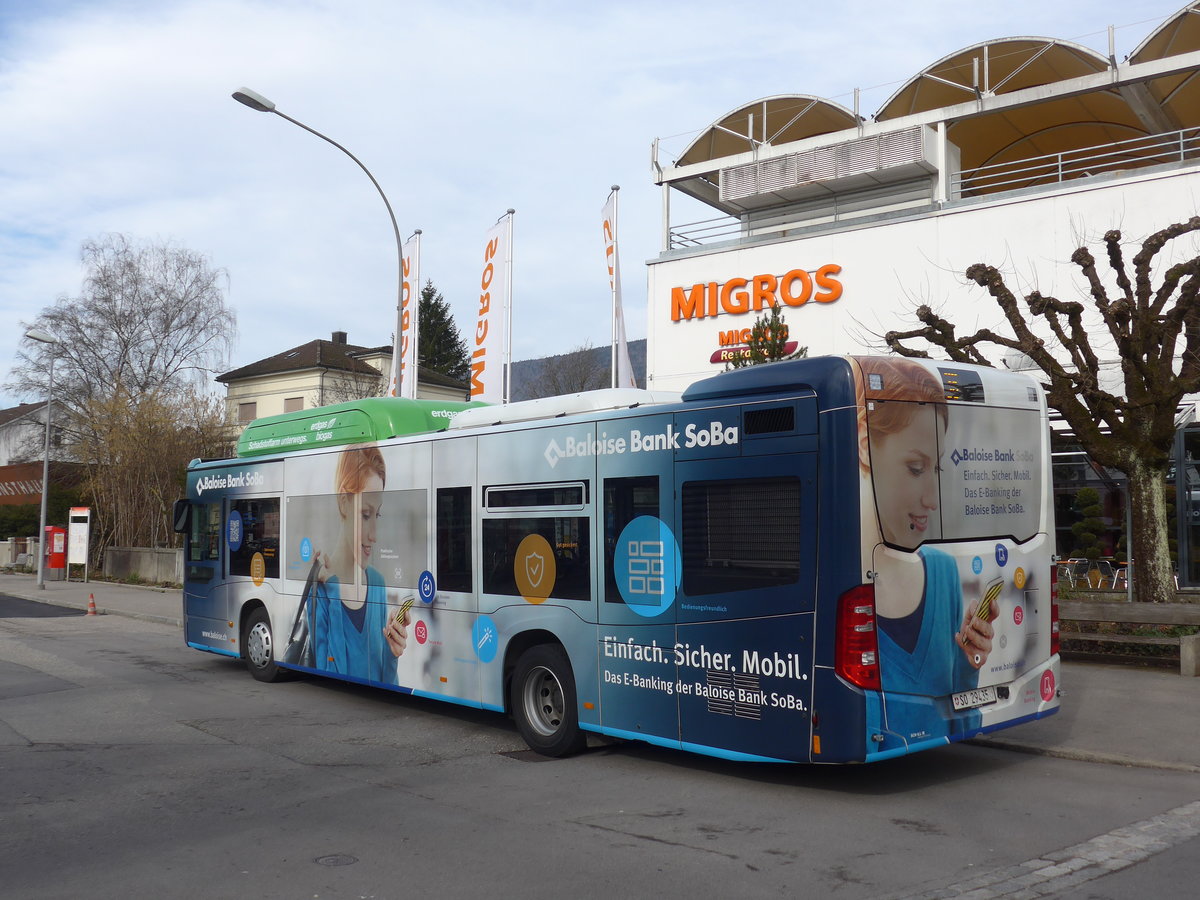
column 1032, row 172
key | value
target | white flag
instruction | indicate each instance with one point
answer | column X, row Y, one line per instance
column 622, row 368
column 406, row 343
column 402, row 379
column 491, row 328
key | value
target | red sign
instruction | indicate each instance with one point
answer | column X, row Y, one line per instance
column 1048, row 685
column 728, row 354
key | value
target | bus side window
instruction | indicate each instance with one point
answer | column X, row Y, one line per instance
column 454, row 539
column 568, row 537
column 204, row 534
column 740, row 534
column 258, row 533
column 624, row 500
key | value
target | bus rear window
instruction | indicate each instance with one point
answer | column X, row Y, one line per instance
column 740, row 535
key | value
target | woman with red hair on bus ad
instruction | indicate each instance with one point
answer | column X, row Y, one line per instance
column 353, row 631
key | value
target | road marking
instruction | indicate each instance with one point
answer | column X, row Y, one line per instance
column 1058, row 872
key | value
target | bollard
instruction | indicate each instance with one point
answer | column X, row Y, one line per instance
column 91, row 605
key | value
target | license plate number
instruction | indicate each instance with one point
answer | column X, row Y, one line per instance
column 971, row 699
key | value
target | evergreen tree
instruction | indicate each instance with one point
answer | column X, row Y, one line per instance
column 1086, row 531
column 439, row 345
column 768, row 342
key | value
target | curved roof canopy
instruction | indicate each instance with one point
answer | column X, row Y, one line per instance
column 1043, row 136
column 771, row 120
column 1178, row 96
column 1013, row 64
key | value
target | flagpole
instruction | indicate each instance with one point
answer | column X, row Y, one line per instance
column 612, row 286
column 508, row 266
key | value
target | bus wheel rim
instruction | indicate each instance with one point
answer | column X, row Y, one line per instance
column 258, row 644
column 543, row 698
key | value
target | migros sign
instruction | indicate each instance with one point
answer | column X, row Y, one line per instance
column 738, row 296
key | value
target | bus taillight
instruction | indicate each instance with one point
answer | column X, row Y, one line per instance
column 1055, row 639
column 857, row 646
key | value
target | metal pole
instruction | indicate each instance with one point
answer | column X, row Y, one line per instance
column 612, row 288
column 259, row 103
column 41, row 569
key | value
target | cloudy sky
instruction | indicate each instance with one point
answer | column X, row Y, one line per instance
column 116, row 116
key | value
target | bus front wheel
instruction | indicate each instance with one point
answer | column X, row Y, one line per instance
column 543, row 702
column 259, row 648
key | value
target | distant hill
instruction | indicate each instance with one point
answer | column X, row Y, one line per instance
column 527, row 381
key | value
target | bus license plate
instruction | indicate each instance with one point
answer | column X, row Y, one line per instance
column 971, row 699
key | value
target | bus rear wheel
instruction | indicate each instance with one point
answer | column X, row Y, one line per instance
column 258, row 645
column 542, row 698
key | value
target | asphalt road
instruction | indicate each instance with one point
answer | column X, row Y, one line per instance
column 16, row 608
column 135, row 765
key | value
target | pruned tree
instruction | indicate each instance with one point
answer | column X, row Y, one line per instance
column 131, row 368
column 1122, row 415
column 768, row 342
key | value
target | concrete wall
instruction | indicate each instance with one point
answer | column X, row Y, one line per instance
column 150, row 564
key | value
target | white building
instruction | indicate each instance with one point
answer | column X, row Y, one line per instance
column 1011, row 152
column 317, row 374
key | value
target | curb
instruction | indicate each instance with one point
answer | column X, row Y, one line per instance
column 1108, row 759
column 100, row 610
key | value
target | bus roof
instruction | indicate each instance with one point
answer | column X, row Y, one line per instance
column 371, row 419
column 602, row 400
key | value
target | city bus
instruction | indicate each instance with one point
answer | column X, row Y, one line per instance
column 826, row 560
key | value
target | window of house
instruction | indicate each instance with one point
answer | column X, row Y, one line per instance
column 247, row 412
column 293, row 404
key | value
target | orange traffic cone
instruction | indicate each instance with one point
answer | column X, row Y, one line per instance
column 91, row 605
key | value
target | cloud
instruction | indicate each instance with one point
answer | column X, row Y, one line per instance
column 118, row 118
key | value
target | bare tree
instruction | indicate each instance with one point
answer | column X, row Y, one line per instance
column 134, row 354
column 149, row 316
column 572, row 372
column 137, row 455
column 1127, row 421
column 343, row 387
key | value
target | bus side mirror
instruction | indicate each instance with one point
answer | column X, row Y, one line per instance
column 182, row 516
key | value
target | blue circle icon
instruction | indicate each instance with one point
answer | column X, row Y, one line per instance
column 977, row 565
column 233, row 531
column 1001, row 555
column 426, row 586
column 485, row 638
column 646, row 565
column 306, row 549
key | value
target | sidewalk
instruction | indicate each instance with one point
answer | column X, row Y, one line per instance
column 1120, row 715
column 152, row 604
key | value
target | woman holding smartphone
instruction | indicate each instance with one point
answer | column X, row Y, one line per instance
column 929, row 646
column 354, row 633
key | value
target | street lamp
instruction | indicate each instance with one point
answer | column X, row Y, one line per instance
column 259, row 103
column 45, row 337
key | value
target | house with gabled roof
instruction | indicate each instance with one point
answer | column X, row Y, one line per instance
column 320, row 373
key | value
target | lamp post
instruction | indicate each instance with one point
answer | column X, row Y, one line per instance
column 36, row 334
column 259, row 103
